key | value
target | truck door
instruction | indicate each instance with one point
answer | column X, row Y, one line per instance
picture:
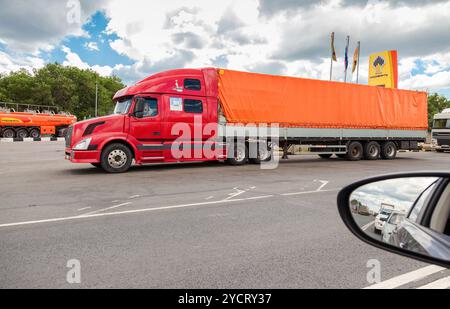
column 185, row 123
column 145, row 127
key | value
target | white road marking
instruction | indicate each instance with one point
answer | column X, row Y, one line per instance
column 116, row 201
column 407, row 278
column 233, row 195
column 105, row 209
column 97, row 215
column 134, row 196
column 443, row 283
column 85, row 208
column 365, row 227
column 209, row 198
column 309, row 192
column 324, row 183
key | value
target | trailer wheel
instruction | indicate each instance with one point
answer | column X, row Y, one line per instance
column 9, row 133
column 388, row 151
column 372, row 151
column 35, row 133
column 240, row 155
column 116, row 158
column 22, row 133
column 355, row 151
column 325, row 156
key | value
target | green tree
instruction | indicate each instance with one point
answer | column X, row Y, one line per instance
column 436, row 104
column 67, row 88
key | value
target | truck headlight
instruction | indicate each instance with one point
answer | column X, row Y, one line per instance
column 83, row 145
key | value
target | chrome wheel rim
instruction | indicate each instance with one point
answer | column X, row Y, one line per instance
column 263, row 154
column 240, row 154
column 373, row 151
column 117, row 158
column 390, row 151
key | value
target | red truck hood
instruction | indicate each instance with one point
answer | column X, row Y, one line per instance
column 102, row 125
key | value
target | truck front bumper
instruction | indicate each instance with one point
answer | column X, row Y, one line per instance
column 83, row 156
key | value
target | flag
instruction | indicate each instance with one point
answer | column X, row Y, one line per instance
column 355, row 58
column 346, row 53
column 333, row 50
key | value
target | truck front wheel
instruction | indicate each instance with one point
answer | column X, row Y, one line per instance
column 355, row 151
column 116, row 158
column 388, row 151
column 372, row 151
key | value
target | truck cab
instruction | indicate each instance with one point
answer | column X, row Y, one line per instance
column 441, row 131
column 167, row 117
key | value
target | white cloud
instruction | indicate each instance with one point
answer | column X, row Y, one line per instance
column 73, row 59
column 9, row 63
column 92, row 46
column 30, row 27
column 280, row 37
column 235, row 34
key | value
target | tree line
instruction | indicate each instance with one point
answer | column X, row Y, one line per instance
column 69, row 89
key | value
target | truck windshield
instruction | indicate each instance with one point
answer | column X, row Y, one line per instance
column 441, row 124
column 122, row 106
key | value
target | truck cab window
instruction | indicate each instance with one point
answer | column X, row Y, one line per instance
column 193, row 106
column 149, row 106
column 192, row 84
column 122, row 106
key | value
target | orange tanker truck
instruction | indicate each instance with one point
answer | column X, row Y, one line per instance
column 33, row 121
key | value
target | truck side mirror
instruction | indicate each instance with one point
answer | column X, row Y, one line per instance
column 139, row 108
column 138, row 115
column 420, row 201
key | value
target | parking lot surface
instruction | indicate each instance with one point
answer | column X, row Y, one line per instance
column 205, row 225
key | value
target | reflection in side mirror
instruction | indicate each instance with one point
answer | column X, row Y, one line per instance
column 408, row 215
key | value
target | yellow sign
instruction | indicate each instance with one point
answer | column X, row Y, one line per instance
column 10, row 120
column 383, row 69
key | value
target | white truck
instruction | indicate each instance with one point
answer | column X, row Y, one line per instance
column 383, row 215
column 441, row 131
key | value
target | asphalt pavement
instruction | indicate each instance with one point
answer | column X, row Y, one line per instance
column 202, row 225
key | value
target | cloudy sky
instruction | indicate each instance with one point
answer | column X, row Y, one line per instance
column 401, row 193
column 135, row 38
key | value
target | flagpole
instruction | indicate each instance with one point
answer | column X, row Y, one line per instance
column 346, row 50
column 357, row 68
column 331, row 69
column 332, row 53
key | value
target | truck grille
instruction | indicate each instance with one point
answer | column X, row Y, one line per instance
column 69, row 136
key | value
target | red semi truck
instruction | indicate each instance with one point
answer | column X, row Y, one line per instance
column 209, row 114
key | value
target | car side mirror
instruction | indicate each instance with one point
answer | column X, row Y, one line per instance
column 414, row 205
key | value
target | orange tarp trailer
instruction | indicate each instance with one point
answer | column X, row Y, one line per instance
column 299, row 102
